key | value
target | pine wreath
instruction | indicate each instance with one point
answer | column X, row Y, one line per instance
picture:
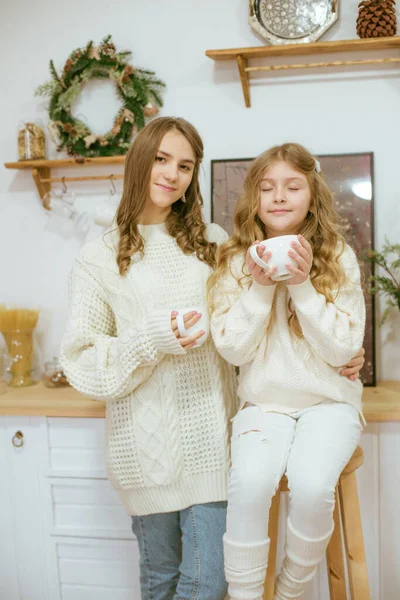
column 138, row 90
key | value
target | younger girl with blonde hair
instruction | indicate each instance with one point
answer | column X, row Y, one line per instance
column 298, row 416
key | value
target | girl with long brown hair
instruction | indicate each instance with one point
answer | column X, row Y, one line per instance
column 136, row 337
column 298, row 416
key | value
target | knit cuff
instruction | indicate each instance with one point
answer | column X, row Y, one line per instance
column 258, row 298
column 161, row 334
column 303, row 293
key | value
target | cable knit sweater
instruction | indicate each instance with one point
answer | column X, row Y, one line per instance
column 167, row 410
column 278, row 370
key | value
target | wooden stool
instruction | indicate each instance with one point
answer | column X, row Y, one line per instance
column 348, row 509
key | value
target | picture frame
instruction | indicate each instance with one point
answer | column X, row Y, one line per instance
column 351, row 179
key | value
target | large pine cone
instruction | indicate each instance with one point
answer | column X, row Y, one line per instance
column 376, row 18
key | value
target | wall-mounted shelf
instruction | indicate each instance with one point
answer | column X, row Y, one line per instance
column 243, row 55
column 41, row 170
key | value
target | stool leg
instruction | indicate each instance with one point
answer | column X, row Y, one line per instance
column 334, row 560
column 353, row 537
column 273, row 527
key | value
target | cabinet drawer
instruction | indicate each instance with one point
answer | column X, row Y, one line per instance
column 98, row 570
column 89, row 508
column 76, row 446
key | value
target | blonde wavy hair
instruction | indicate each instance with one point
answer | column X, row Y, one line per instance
column 185, row 221
column 321, row 227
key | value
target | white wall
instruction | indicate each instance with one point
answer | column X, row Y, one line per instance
column 329, row 111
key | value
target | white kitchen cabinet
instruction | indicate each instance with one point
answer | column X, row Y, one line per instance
column 22, row 549
column 65, row 535
column 64, row 532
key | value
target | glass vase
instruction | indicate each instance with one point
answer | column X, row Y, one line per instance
column 23, row 364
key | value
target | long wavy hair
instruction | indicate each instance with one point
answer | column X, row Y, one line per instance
column 321, row 227
column 185, row 221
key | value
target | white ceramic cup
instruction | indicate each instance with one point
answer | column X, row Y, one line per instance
column 202, row 323
column 279, row 246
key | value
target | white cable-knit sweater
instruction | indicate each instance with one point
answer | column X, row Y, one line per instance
column 168, row 410
column 278, row 370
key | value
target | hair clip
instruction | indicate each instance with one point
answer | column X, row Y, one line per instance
column 317, row 165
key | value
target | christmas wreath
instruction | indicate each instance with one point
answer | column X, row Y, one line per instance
column 138, row 90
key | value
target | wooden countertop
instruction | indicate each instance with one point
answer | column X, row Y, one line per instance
column 381, row 403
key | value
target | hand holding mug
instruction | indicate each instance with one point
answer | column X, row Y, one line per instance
column 260, row 274
column 187, row 327
column 300, row 252
column 275, row 256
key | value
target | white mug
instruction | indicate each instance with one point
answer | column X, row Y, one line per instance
column 279, row 246
column 202, row 323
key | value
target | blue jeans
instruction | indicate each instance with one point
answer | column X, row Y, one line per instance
column 181, row 553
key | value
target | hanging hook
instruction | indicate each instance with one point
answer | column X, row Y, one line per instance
column 65, row 189
column 113, row 188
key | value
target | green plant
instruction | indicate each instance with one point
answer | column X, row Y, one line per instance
column 388, row 259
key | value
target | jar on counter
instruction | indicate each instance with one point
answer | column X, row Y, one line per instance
column 54, row 376
column 31, row 142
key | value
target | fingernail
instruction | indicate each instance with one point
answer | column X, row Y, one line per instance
column 202, row 332
column 174, row 313
column 199, row 315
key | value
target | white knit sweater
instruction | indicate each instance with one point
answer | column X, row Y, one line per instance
column 278, row 370
column 168, row 410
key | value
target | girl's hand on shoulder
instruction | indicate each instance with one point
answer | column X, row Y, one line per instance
column 260, row 275
column 302, row 254
column 354, row 366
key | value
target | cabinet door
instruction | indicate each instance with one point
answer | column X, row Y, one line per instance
column 23, row 457
column 95, row 552
column 8, row 563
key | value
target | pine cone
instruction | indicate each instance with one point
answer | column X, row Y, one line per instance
column 376, row 18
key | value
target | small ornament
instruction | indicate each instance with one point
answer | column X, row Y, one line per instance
column 376, row 18
column 150, row 110
column 89, row 140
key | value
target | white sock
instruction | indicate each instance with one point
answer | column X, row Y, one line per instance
column 245, row 569
column 303, row 556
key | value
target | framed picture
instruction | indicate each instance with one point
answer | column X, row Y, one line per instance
column 350, row 177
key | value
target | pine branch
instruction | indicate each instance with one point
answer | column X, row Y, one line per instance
column 88, row 48
column 54, row 73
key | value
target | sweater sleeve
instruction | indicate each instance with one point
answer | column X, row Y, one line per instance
column 335, row 330
column 240, row 315
column 96, row 361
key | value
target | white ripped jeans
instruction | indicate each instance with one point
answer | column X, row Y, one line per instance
column 312, row 447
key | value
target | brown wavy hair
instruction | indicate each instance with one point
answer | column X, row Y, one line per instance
column 322, row 226
column 185, row 221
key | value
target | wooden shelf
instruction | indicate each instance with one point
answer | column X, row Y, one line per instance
column 41, row 170
column 243, row 55
column 380, row 403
